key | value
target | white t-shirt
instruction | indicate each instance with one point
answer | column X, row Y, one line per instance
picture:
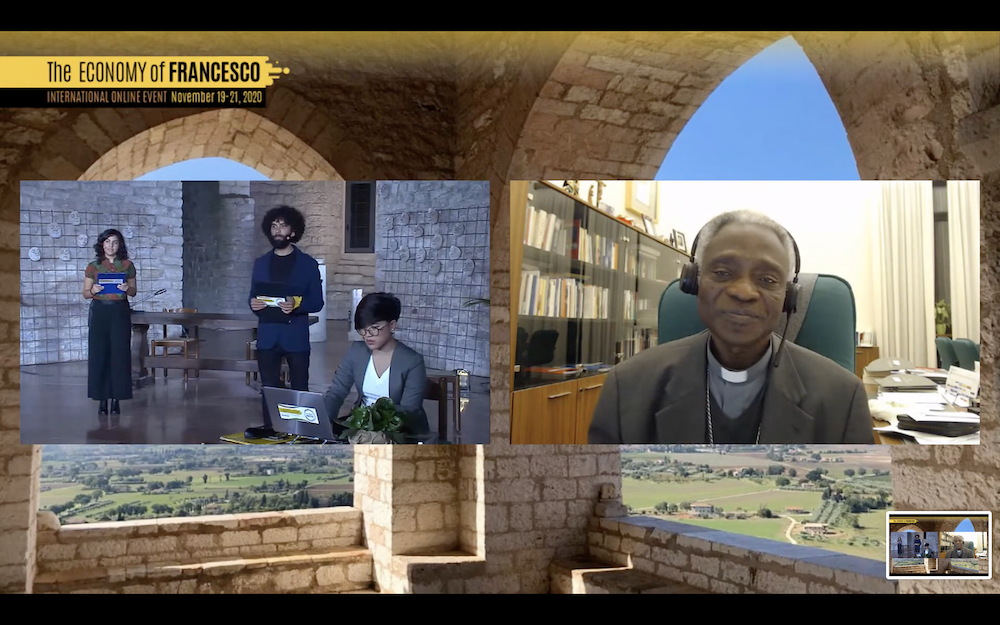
column 375, row 387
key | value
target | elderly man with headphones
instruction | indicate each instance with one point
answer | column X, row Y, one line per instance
column 724, row 385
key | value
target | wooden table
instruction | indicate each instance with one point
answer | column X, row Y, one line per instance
column 142, row 361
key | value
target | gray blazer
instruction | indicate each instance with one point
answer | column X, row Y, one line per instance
column 407, row 383
column 658, row 396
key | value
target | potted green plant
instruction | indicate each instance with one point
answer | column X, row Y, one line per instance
column 941, row 317
column 374, row 424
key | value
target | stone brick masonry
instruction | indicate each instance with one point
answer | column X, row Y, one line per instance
column 295, row 551
column 432, row 250
column 513, row 106
column 53, row 312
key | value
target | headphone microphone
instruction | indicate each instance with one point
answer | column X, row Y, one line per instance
column 689, row 285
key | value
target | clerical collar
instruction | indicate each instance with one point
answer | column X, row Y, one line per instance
column 739, row 377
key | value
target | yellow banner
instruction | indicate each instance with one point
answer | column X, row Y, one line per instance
column 905, row 521
column 138, row 72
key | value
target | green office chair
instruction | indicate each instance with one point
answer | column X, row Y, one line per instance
column 826, row 311
column 967, row 353
column 947, row 358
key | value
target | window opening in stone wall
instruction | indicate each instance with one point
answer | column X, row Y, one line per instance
column 942, row 260
column 102, row 483
column 359, row 224
column 772, row 119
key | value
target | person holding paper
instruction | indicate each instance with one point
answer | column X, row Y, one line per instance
column 286, row 287
column 108, row 282
column 381, row 366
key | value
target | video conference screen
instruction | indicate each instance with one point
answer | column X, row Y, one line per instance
column 939, row 545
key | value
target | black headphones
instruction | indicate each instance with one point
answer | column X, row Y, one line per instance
column 689, row 276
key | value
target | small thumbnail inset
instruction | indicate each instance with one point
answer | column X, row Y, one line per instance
column 939, row 545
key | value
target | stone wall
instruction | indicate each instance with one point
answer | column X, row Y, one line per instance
column 322, row 204
column 432, row 249
column 218, row 246
column 297, row 551
column 726, row 563
column 53, row 312
column 20, row 466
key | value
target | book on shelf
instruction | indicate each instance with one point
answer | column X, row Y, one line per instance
column 545, row 231
column 593, row 248
column 561, row 297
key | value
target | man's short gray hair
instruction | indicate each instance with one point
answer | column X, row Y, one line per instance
column 712, row 228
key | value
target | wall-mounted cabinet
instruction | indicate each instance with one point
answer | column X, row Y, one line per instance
column 585, row 287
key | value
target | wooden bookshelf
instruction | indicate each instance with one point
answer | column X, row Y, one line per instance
column 585, row 291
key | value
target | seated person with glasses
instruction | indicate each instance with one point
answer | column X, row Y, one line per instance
column 381, row 366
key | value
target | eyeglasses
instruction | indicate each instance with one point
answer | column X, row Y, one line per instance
column 372, row 331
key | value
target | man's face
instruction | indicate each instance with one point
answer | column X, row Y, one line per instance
column 280, row 232
column 959, row 543
column 741, row 289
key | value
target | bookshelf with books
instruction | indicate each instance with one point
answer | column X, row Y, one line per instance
column 585, row 290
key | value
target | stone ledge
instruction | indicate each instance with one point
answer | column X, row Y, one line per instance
column 732, row 563
column 331, row 570
column 437, row 573
column 582, row 576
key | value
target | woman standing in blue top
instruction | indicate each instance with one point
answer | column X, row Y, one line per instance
column 109, row 359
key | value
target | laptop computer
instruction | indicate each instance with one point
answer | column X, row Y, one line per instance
column 300, row 413
column 907, row 382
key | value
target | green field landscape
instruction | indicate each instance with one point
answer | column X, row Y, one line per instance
column 664, row 483
column 750, row 489
column 98, row 483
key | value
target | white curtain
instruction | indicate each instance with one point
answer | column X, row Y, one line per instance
column 963, row 246
column 902, row 215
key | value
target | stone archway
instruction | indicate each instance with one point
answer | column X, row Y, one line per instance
column 237, row 134
column 611, row 104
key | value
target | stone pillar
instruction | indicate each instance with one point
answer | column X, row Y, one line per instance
column 19, row 469
column 219, row 231
column 417, row 500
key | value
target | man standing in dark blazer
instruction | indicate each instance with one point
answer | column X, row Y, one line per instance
column 725, row 385
column 283, row 330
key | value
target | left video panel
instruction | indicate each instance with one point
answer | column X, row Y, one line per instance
column 306, row 312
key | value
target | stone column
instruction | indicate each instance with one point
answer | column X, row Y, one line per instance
column 19, row 469
column 417, row 501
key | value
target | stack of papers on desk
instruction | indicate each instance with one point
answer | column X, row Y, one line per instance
column 928, row 409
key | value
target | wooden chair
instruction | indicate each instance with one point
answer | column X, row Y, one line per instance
column 437, row 390
column 189, row 345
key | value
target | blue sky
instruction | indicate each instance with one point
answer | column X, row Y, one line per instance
column 771, row 119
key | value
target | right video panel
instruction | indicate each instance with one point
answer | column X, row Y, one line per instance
column 745, row 312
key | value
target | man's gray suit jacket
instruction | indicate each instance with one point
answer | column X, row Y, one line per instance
column 658, row 397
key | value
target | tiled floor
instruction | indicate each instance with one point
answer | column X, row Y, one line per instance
column 55, row 409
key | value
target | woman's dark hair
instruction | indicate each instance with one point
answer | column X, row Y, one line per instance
column 290, row 216
column 107, row 234
column 376, row 307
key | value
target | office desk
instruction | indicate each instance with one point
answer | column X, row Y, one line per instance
column 883, row 438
